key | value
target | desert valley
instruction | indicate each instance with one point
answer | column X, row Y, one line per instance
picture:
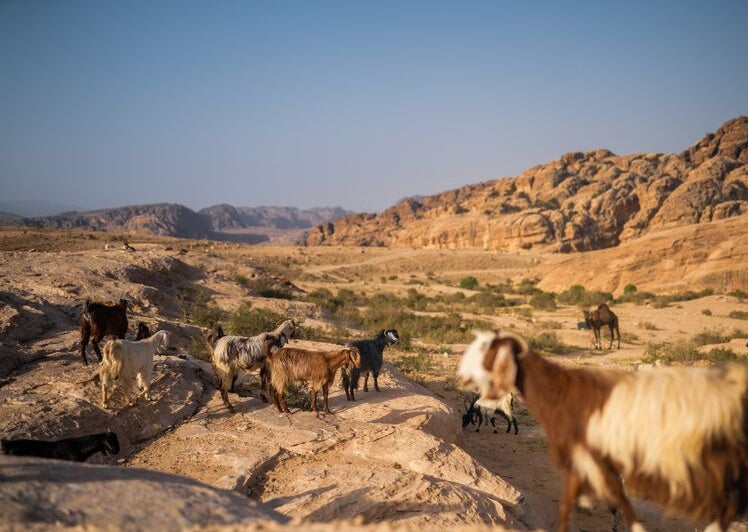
column 660, row 238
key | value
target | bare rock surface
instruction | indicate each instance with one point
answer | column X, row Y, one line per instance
column 37, row 494
column 389, row 456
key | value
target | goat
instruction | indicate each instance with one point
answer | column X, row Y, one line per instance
column 315, row 367
column 133, row 362
column 99, row 320
column 484, row 411
column 77, row 449
column 692, row 460
column 598, row 318
column 143, row 331
column 372, row 358
column 234, row 353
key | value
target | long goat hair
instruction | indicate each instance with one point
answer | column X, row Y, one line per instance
column 131, row 362
column 99, row 320
column 232, row 354
column 318, row 368
column 77, row 449
column 675, row 436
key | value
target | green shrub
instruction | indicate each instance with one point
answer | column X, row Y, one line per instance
column 410, row 364
column 738, row 293
column 198, row 349
column 547, row 341
column 685, row 351
column 578, row 295
column 738, row 314
column 449, row 329
column 711, row 336
column 549, row 325
column 527, row 287
column 706, row 312
column 629, row 288
column 248, row 321
column 196, row 309
column 543, row 301
column 469, row 282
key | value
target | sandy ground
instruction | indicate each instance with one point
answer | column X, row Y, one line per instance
column 46, row 392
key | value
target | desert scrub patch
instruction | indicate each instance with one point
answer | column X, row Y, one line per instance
column 248, row 321
column 739, row 294
column 549, row 325
column 578, row 295
column 439, row 329
column 198, row 349
column 548, row 341
column 543, row 301
column 413, row 364
column 334, row 334
column 196, row 308
column 738, row 314
column 648, row 325
column 686, row 352
column 706, row 312
column 629, row 337
column 263, row 288
column 469, row 283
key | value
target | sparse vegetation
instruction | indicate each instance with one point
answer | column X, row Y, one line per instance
column 469, row 282
column 648, row 326
column 548, row 341
column 578, row 295
column 739, row 294
column 196, row 308
column 543, row 301
column 706, row 312
column 248, row 321
column 739, row 314
column 686, row 352
column 413, row 364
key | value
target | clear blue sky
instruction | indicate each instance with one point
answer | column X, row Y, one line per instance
column 350, row 103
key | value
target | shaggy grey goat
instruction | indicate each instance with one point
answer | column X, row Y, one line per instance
column 372, row 358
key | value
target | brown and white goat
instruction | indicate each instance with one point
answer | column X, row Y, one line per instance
column 99, row 320
column 675, row 436
column 315, row 367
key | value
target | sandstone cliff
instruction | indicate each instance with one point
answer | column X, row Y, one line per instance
column 580, row 202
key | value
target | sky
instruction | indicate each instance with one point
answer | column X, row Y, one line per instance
column 350, row 103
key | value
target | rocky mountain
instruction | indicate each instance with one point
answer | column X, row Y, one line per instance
column 581, row 201
column 227, row 217
column 164, row 219
column 219, row 222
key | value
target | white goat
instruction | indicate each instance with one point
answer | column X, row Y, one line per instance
column 131, row 362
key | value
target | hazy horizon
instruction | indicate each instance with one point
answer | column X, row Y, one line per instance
column 357, row 105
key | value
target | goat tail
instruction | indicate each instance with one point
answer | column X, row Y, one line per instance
column 111, row 364
column 355, row 376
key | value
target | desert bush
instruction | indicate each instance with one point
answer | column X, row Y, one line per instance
column 738, row 314
column 196, row 308
column 547, row 341
column 489, row 300
column 549, row 325
column 711, row 336
column 648, row 325
column 334, row 334
column 543, row 301
column 248, row 321
column 410, row 364
column 198, row 349
column 469, row 282
column 738, row 293
column 442, row 329
column 527, row 287
column 706, row 312
column 662, row 301
column 629, row 288
column 629, row 337
column 578, row 295
column 685, row 351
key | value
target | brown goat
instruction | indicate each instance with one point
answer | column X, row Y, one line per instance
column 691, row 459
column 99, row 320
column 315, row 367
column 600, row 317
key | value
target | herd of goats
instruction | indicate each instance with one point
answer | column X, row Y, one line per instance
column 677, row 436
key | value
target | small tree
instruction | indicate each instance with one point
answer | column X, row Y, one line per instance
column 469, row 282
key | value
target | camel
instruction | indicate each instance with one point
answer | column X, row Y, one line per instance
column 600, row 317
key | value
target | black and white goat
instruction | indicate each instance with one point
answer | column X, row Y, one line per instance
column 77, row 449
column 479, row 411
column 372, row 358
column 691, row 459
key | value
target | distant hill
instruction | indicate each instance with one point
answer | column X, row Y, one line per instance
column 8, row 217
column 582, row 201
column 219, row 222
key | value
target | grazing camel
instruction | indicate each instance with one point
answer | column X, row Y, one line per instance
column 600, row 317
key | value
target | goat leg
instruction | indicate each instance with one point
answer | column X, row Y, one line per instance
column 376, row 384
column 366, row 381
column 325, row 390
column 95, row 342
column 568, row 501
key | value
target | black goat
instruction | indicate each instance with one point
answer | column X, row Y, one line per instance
column 77, row 449
column 372, row 358
column 143, row 332
column 484, row 411
column 99, row 320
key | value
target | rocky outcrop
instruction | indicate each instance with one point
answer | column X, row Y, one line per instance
column 225, row 217
column 582, row 201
